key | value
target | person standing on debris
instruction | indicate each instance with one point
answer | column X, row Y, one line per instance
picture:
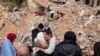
column 37, row 30
column 68, row 47
column 8, row 48
column 51, row 43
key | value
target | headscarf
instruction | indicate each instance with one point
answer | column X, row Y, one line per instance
column 11, row 37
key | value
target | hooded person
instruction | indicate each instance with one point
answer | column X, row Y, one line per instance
column 68, row 47
column 96, row 48
column 8, row 48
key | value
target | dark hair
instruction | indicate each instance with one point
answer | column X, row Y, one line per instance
column 41, row 26
column 96, row 49
column 30, row 49
column 48, row 31
column 70, row 35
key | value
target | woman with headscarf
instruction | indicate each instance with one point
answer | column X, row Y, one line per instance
column 8, row 48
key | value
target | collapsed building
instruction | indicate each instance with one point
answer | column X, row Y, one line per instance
column 92, row 3
column 78, row 16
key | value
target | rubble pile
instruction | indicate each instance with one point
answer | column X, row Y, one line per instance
column 80, row 18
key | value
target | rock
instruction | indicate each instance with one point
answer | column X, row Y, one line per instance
column 14, row 17
column 98, row 26
column 43, row 3
column 15, row 9
column 17, row 23
column 34, row 6
column 82, row 13
column 91, row 19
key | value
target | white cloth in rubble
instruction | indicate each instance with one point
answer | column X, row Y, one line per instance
column 40, row 37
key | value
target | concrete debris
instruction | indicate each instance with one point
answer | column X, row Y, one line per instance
column 91, row 18
column 14, row 17
column 1, row 24
column 15, row 9
column 98, row 16
column 75, row 16
column 81, row 13
column 27, row 39
column 34, row 6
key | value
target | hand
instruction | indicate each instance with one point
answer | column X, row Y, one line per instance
column 40, row 49
column 35, row 49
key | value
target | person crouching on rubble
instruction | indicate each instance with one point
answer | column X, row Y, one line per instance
column 8, row 48
column 50, row 44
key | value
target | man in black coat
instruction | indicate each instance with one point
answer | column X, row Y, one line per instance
column 36, row 31
column 69, row 46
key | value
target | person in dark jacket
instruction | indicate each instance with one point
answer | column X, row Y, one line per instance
column 96, row 49
column 36, row 31
column 68, row 47
column 0, row 51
